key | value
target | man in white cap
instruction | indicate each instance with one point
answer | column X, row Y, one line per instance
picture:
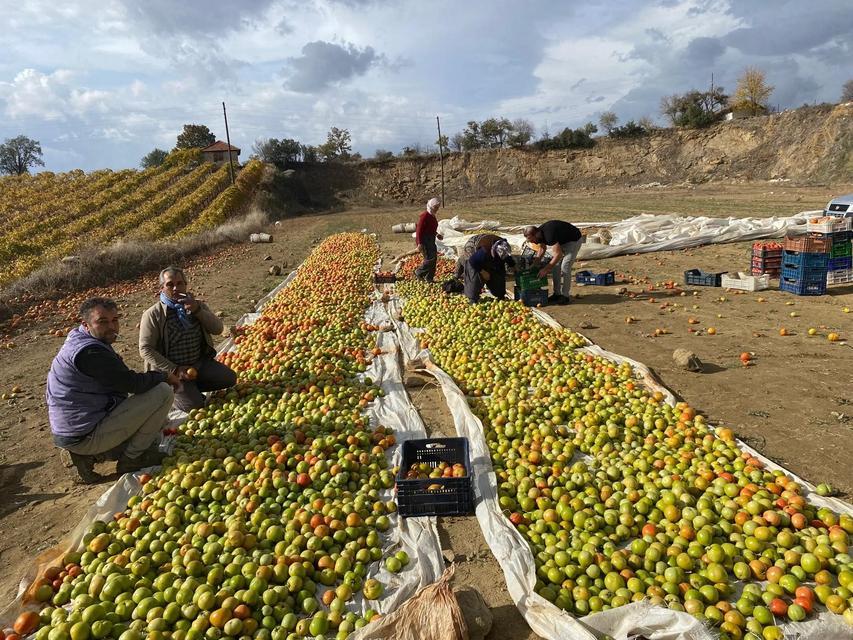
column 426, row 233
column 483, row 261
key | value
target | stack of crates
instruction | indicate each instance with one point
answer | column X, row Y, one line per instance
column 766, row 259
column 837, row 231
column 805, row 260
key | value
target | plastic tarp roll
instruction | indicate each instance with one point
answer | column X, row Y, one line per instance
column 646, row 232
column 516, row 560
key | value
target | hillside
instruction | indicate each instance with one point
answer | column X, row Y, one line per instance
column 811, row 145
column 48, row 216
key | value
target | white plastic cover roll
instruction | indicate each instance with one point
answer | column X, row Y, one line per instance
column 646, row 232
column 513, row 553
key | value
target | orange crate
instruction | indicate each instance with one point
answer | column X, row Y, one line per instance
column 808, row 244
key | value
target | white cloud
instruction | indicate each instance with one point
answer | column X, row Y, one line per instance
column 123, row 76
column 115, row 134
column 36, row 94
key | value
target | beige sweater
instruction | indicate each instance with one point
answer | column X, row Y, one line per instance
column 152, row 335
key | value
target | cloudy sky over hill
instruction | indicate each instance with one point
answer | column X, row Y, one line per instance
column 100, row 83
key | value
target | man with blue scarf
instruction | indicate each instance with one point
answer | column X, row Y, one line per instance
column 175, row 336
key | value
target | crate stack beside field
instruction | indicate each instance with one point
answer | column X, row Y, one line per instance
column 837, row 231
column 805, row 260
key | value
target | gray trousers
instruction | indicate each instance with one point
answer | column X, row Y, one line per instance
column 137, row 422
column 212, row 375
column 426, row 270
column 561, row 275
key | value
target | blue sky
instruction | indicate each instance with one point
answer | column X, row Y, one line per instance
column 99, row 83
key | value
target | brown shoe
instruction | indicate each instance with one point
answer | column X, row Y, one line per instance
column 83, row 467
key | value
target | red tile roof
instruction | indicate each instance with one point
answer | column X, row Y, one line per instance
column 220, row 146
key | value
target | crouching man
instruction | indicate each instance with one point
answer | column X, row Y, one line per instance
column 175, row 336
column 98, row 407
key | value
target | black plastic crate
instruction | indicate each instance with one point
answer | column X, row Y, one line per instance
column 701, row 278
column 532, row 297
column 802, row 288
column 600, row 279
column 448, row 496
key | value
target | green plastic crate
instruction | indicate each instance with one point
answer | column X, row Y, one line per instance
column 529, row 280
column 841, row 250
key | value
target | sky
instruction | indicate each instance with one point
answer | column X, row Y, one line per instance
column 100, row 83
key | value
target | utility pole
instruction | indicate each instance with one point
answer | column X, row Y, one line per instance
column 441, row 156
column 228, row 141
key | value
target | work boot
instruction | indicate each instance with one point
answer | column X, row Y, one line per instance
column 83, row 467
column 564, row 300
column 554, row 298
column 149, row 458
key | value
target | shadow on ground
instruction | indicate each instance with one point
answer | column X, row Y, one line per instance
column 15, row 494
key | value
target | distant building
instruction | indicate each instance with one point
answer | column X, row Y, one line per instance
column 737, row 114
column 218, row 152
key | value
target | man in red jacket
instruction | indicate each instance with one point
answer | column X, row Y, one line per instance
column 426, row 233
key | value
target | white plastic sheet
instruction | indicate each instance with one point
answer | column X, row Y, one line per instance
column 646, row 233
column 513, row 553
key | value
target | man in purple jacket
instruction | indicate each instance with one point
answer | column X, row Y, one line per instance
column 92, row 412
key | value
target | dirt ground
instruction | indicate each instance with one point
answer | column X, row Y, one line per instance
column 793, row 404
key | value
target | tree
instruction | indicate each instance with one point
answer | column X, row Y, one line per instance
column 589, row 129
column 17, row 155
column 457, row 142
column 647, row 123
column 154, row 159
column 411, row 152
column 847, row 92
column 278, row 152
column 309, row 153
column 752, row 92
column 337, row 146
column 195, row 136
column 566, row 139
column 694, row 108
column 383, row 155
column 608, row 120
column 442, row 143
column 471, row 137
column 494, row 132
column 629, row 130
column 520, row 133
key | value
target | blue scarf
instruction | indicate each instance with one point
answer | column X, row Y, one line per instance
column 179, row 309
